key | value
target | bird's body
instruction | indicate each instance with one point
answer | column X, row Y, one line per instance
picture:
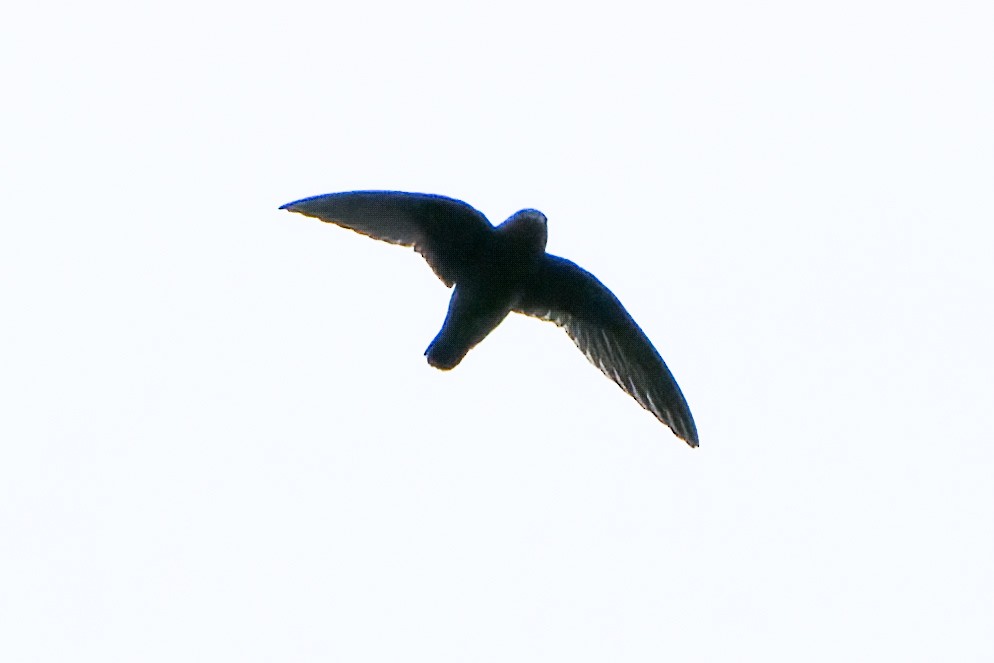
column 501, row 273
column 499, row 270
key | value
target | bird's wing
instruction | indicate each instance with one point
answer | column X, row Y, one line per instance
column 574, row 299
column 447, row 232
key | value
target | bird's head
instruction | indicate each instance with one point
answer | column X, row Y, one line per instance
column 527, row 228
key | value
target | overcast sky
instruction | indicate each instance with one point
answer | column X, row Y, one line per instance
column 220, row 441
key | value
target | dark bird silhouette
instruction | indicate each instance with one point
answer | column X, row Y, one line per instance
column 503, row 269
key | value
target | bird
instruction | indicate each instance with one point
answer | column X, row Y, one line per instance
column 497, row 270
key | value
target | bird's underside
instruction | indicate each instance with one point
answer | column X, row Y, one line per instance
column 499, row 270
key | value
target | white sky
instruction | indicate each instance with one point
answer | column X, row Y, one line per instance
column 221, row 441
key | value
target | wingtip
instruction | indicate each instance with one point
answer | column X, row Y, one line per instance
column 686, row 430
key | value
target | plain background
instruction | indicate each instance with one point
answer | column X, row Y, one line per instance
column 221, row 441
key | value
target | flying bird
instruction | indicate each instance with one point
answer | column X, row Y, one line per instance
column 497, row 270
